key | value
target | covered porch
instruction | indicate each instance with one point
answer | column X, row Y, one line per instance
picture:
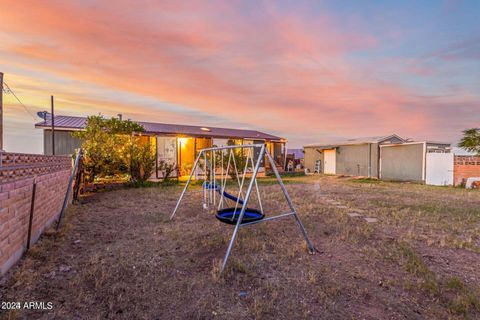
column 181, row 151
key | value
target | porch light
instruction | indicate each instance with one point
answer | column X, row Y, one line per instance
column 205, row 129
column 182, row 142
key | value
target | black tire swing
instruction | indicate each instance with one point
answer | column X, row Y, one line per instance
column 230, row 215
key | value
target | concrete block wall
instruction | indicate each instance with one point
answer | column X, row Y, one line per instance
column 17, row 175
column 465, row 167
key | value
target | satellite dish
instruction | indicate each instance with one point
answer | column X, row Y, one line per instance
column 42, row 114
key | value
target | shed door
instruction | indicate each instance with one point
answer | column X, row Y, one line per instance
column 439, row 169
column 329, row 158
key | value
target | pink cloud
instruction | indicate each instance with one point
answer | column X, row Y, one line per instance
column 276, row 70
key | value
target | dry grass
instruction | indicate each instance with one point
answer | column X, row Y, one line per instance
column 120, row 257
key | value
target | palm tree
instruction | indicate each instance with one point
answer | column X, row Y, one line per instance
column 471, row 140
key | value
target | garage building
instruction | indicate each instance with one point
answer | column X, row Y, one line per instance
column 356, row 157
column 421, row 161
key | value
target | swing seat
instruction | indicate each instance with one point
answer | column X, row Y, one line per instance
column 250, row 215
column 211, row 186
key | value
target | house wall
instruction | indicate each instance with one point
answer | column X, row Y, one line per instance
column 350, row 159
column 402, row 162
column 353, row 160
column 375, row 156
column 311, row 155
column 18, row 173
column 465, row 167
column 65, row 143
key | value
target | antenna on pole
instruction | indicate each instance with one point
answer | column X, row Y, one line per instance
column 53, row 126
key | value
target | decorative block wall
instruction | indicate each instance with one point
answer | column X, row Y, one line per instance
column 465, row 167
column 18, row 173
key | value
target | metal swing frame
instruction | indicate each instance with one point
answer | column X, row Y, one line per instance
column 253, row 181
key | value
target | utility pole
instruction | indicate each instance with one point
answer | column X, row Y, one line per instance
column 1, row 111
column 53, row 127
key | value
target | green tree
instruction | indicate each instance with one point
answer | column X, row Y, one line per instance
column 112, row 147
column 471, row 140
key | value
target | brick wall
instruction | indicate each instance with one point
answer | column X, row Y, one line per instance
column 466, row 167
column 18, row 173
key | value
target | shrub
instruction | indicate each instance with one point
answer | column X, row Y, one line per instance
column 167, row 169
column 111, row 148
column 142, row 161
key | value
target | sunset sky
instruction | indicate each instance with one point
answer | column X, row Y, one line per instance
column 308, row 71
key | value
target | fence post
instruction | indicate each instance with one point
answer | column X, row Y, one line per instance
column 32, row 207
column 69, row 187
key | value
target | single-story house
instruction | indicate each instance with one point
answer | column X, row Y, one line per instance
column 174, row 143
column 356, row 157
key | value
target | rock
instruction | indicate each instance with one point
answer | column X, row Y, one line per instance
column 371, row 220
column 354, row 214
column 65, row 268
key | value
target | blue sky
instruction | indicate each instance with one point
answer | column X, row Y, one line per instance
column 305, row 70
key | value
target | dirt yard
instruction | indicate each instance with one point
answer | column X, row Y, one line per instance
column 119, row 257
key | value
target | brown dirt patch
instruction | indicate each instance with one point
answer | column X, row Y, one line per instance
column 119, row 257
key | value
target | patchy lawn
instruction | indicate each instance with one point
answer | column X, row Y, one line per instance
column 119, row 257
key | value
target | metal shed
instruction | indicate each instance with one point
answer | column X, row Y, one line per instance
column 424, row 161
column 355, row 157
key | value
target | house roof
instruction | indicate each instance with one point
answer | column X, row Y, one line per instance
column 363, row 140
column 429, row 143
column 79, row 123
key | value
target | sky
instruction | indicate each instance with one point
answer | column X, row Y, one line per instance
column 309, row 71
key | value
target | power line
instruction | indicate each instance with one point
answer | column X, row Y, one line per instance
column 8, row 90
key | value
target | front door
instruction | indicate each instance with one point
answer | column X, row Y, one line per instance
column 166, row 155
column 329, row 161
column 186, row 155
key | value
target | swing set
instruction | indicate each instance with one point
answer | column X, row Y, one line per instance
column 216, row 164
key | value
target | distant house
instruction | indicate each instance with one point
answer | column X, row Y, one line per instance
column 174, row 143
column 297, row 154
column 356, row 157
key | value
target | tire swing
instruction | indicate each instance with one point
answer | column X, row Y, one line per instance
column 230, row 215
column 211, row 163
